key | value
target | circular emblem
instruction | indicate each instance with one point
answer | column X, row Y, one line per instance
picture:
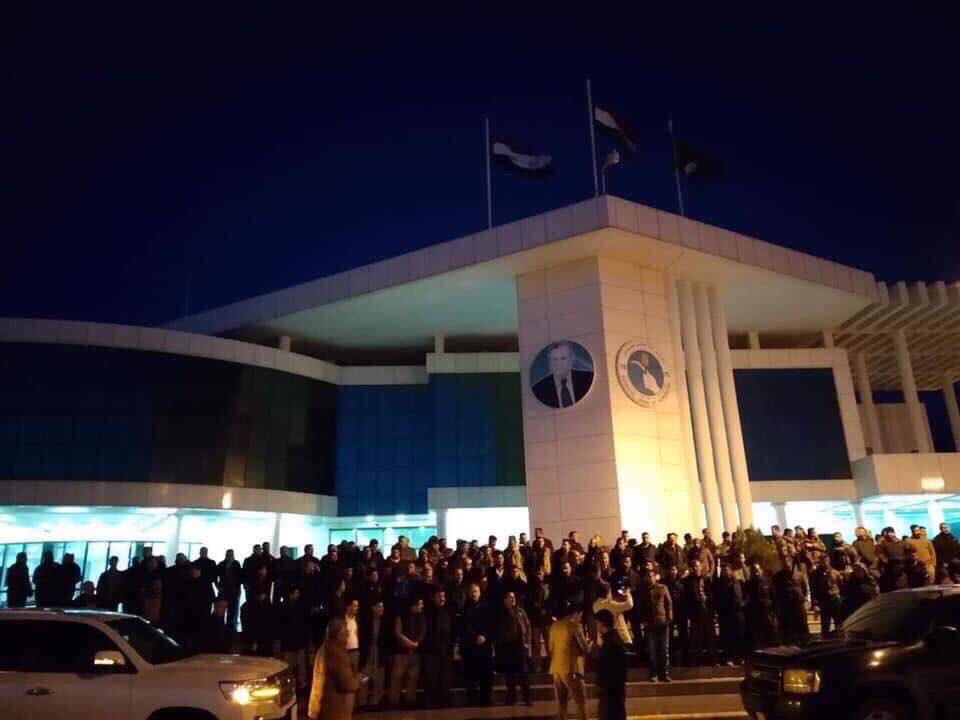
column 642, row 374
column 561, row 374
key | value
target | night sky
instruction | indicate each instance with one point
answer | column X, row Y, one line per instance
column 262, row 148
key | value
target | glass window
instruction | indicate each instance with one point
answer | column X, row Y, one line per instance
column 96, row 560
column 897, row 616
column 365, row 535
column 122, row 551
column 153, row 645
column 339, row 536
column 61, row 646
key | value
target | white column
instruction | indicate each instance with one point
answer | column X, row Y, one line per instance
column 910, row 397
column 869, row 408
column 275, row 537
column 442, row 526
column 284, row 343
column 698, row 402
column 731, row 411
column 680, row 363
column 754, row 339
column 950, row 395
column 718, row 431
column 439, row 340
column 173, row 539
column 828, row 338
column 935, row 513
column 858, row 515
column 780, row 508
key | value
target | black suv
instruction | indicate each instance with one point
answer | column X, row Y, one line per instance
column 896, row 658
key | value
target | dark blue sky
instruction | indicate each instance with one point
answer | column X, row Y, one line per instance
column 268, row 147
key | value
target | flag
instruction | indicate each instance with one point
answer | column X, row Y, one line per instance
column 694, row 163
column 617, row 128
column 525, row 163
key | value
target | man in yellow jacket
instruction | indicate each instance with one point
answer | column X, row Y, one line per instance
column 924, row 550
column 568, row 648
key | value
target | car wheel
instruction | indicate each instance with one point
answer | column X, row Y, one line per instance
column 882, row 708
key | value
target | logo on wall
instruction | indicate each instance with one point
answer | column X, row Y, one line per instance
column 641, row 373
column 561, row 374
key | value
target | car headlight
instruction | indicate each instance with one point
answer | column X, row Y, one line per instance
column 801, row 682
column 247, row 692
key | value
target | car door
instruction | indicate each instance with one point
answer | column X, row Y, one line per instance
column 60, row 680
column 937, row 671
column 11, row 680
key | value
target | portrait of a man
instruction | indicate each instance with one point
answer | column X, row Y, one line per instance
column 569, row 374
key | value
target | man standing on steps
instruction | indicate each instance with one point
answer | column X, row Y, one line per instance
column 611, row 670
column 568, row 647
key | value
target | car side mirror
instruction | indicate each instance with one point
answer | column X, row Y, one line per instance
column 108, row 659
column 944, row 639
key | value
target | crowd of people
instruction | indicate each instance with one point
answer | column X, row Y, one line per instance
column 408, row 617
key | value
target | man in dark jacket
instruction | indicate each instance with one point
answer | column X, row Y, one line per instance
column 729, row 601
column 670, row 554
column 791, row 592
column 229, row 582
column 698, row 603
column 70, row 575
column 110, row 586
column 208, row 568
column 654, row 613
column 214, row 635
column 294, row 629
column 251, row 564
column 679, row 650
column 761, row 609
column 645, row 552
column 375, row 646
column 611, row 667
column 827, row 591
column 284, row 575
column 18, row 584
column 47, row 581
column 437, row 651
column 866, row 548
column 197, row 596
column 538, row 606
column 259, row 625
column 947, row 549
column 476, row 647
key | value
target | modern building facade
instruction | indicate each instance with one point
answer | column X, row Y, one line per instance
column 601, row 366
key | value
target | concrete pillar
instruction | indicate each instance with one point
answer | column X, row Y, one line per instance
column 172, row 546
column 284, row 343
column 754, row 339
column 731, row 410
column 828, row 339
column 869, row 408
column 442, row 526
column 780, row 508
column 680, row 363
column 935, row 513
column 718, row 431
column 918, row 424
column 950, row 396
column 858, row 515
column 698, row 403
column 439, row 340
column 275, row 535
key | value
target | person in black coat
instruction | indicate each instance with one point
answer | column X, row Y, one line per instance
column 437, row 651
column 947, row 548
column 790, row 586
column 761, row 609
column 284, row 575
column 698, row 605
column 214, row 634
column 730, row 602
column 229, row 579
column 197, row 597
column 18, row 584
column 259, row 625
column 476, row 644
column 611, row 668
column 70, row 575
column 47, row 581
column 208, row 568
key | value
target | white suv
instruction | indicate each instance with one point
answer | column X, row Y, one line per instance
column 73, row 664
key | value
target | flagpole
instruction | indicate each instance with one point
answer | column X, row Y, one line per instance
column 593, row 141
column 676, row 167
column 486, row 135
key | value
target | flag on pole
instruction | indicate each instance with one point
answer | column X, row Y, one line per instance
column 523, row 163
column 694, row 163
column 616, row 128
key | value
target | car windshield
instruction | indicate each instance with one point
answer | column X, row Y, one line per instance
column 153, row 645
column 900, row 616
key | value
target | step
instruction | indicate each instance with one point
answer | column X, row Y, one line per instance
column 724, row 706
